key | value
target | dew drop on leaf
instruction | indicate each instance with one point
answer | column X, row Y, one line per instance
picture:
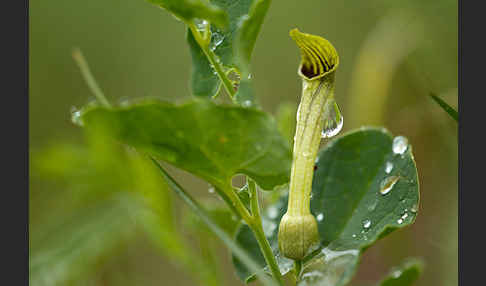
column 414, row 208
column 76, row 116
column 387, row 184
column 320, row 217
column 400, row 145
column 367, row 223
column 333, row 120
column 216, row 40
column 389, row 167
column 246, row 103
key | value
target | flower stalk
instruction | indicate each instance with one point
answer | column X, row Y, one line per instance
column 298, row 233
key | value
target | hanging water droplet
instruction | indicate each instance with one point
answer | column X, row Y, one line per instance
column 320, row 217
column 216, row 40
column 76, row 116
column 367, row 223
column 400, row 145
column 399, row 221
column 354, row 235
column 388, row 167
column 249, row 76
column 405, row 215
column 333, row 120
column 211, row 189
column 387, row 184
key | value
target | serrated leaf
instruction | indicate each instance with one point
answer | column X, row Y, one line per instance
column 232, row 46
column 211, row 141
column 451, row 111
column 405, row 274
column 351, row 211
column 187, row 10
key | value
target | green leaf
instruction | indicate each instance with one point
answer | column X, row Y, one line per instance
column 187, row 10
column 404, row 275
column 446, row 107
column 211, row 141
column 232, row 46
column 204, row 81
column 346, row 195
column 249, row 30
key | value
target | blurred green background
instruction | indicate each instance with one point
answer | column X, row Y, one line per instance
column 392, row 55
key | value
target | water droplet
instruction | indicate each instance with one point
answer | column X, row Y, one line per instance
column 246, row 103
column 333, row 120
column 320, row 217
column 396, row 273
column 76, row 116
column 272, row 212
column 400, row 145
column 201, row 25
column 414, row 208
column 306, row 153
column 216, row 40
column 211, row 189
column 387, row 184
column 367, row 223
column 400, row 221
column 389, row 167
column 354, row 235
column 405, row 215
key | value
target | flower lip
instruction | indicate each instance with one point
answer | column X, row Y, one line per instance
column 319, row 57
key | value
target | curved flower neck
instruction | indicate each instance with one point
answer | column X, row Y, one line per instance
column 319, row 57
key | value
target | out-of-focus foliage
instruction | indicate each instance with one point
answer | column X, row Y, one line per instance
column 135, row 50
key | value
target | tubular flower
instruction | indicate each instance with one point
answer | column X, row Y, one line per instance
column 298, row 233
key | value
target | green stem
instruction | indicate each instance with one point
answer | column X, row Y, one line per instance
column 216, row 64
column 88, row 77
column 297, row 269
column 236, row 249
column 237, row 204
column 257, row 228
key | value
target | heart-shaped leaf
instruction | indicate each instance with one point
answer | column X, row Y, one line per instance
column 211, row 141
column 365, row 186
